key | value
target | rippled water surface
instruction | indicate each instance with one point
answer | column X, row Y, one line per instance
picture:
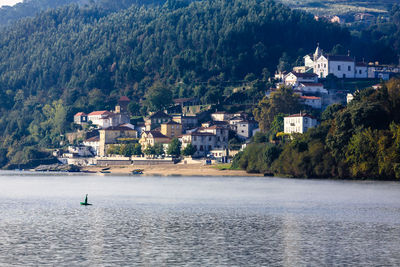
column 182, row 221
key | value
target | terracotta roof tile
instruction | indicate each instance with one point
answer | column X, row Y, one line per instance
column 102, row 112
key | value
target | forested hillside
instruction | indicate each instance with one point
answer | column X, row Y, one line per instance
column 84, row 57
column 30, row 8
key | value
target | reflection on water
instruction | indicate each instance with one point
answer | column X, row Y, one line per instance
column 158, row 221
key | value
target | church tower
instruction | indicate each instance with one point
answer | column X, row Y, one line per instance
column 317, row 53
column 122, row 106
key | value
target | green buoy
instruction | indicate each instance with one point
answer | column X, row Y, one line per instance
column 86, row 202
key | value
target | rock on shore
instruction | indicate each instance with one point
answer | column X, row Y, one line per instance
column 57, row 168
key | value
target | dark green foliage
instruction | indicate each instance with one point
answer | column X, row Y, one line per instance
column 158, row 97
column 134, row 108
column 174, row 148
column 127, row 150
column 149, row 151
column 257, row 157
column 137, row 151
column 189, row 150
column 158, row 149
column 330, row 111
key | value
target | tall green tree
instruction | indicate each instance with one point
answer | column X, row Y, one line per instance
column 282, row 101
column 174, row 148
column 158, row 97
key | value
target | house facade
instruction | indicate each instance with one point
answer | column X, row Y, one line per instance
column 155, row 120
column 312, row 88
column 245, row 128
column 312, row 101
column 204, row 142
column 171, row 129
column 220, row 116
column 188, row 122
column 150, row 138
column 111, row 134
column 80, row 118
column 94, row 144
column 299, row 123
column 295, row 78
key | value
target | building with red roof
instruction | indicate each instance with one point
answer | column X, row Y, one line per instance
column 80, row 118
column 312, row 101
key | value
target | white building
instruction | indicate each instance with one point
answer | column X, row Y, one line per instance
column 361, row 70
column 295, row 78
column 94, row 144
column 317, row 88
column 203, row 142
column 349, row 98
column 245, row 128
column 299, row 123
column 339, row 65
column 221, row 133
column 80, row 118
column 312, row 101
column 105, row 119
column 97, row 117
column 78, row 151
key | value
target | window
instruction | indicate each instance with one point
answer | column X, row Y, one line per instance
column 349, row 68
column 324, row 65
column 338, row 67
column 359, row 71
column 194, row 138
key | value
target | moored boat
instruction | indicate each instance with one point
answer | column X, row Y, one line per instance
column 137, row 171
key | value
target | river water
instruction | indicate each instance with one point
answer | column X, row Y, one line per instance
column 196, row 221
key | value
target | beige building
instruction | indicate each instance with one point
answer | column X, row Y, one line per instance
column 156, row 119
column 153, row 137
column 171, row 129
column 221, row 116
column 188, row 122
column 110, row 136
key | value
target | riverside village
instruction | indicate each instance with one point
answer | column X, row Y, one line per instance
column 188, row 132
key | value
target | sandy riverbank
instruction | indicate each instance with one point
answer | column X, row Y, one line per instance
column 172, row 170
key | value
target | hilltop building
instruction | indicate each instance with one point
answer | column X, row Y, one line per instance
column 81, row 118
column 346, row 66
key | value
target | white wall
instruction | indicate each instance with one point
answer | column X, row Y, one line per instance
column 344, row 69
